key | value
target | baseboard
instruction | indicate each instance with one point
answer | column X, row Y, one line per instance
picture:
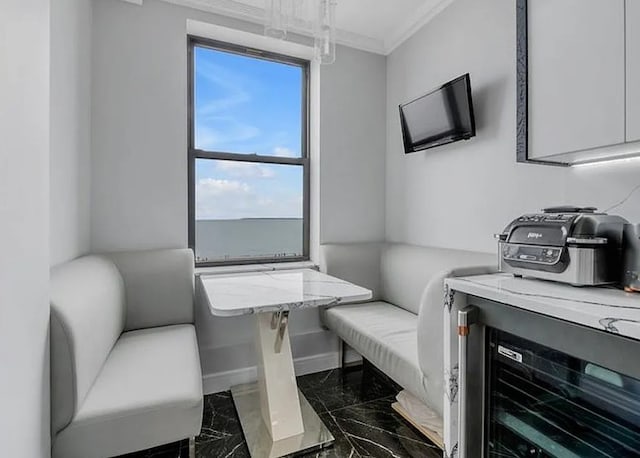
column 351, row 357
column 223, row 381
column 316, row 363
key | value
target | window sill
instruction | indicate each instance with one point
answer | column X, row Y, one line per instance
column 255, row 268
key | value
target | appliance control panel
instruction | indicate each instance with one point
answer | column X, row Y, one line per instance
column 534, row 254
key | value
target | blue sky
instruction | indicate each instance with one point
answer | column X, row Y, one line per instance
column 247, row 105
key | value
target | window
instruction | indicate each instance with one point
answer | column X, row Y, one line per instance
column 248, row 155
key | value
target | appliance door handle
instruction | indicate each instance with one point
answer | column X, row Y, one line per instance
column 466, row 317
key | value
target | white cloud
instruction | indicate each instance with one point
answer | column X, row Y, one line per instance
column 245, row 169
column 214, row 187
column 220, row 199
column 282, row 151
column 235, row 199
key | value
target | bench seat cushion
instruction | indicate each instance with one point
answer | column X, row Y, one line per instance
column 149, row 392
column 385, row 335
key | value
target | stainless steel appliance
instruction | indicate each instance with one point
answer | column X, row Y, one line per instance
column 631, row 258
column 535, row 386
column 572, row 245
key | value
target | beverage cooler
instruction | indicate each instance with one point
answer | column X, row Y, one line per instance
column 545, row 403
column 546, row 388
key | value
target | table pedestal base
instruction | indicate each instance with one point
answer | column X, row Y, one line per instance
column 247, row 401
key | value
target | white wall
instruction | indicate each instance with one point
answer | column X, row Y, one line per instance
column 352, row 142
column 605, row 185
column 139, row 131
column 70, row 128
column 24, row 232
column 139, row 158
column 461, row 194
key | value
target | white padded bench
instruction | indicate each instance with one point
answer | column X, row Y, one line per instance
column 401, row 330
column 125, row 368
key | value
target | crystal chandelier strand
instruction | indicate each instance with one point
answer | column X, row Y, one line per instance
column 325, row 33
column 277, row 14
column 281, row 15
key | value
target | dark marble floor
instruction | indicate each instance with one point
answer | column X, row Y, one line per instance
column 354, row 403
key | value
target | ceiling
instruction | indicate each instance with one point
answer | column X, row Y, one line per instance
column 389, row 22
column 380, row 28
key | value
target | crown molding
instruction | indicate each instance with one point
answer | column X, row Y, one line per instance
column 239, row 10
column 423, row 15
column 229, row 8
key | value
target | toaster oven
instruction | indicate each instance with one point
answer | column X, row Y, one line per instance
column 572, row 245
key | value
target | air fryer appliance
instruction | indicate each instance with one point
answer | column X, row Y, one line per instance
column 572, row 245
column 631, row 257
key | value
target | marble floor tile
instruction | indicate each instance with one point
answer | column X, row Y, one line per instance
column 354, row 403
column 376, row 430
column 219, row 419
column 232, row 446
column 336, row 389
column 342, row 447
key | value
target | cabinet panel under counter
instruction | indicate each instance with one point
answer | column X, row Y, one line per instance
column 575, row 347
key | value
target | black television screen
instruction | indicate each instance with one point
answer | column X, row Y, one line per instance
column 444, row 115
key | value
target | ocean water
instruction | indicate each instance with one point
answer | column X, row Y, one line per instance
column 221, row 240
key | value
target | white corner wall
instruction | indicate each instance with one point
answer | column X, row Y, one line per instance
column 461, row 194
column 139, row 161
column 24, row 232
column 139, row 126
column 352, row 145
column 70, row 128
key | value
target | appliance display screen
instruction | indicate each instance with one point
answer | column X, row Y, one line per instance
column 442, row 116
column 545, row 403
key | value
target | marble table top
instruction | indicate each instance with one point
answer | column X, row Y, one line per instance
column 272, row 291
column 604, row 308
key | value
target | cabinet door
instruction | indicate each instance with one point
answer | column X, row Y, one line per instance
column 633, row 70
column 576, row 75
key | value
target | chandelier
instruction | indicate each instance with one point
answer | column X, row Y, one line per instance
column 316, row 16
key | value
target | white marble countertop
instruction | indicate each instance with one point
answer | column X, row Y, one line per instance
column 261, row 292
column 602, row 308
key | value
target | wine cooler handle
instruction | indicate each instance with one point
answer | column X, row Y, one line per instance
column 466, row 317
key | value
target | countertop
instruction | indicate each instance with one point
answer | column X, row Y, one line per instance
column 603, row 308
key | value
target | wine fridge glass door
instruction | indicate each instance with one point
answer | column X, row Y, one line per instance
column 545, row 403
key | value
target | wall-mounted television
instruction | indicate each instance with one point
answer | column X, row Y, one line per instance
column 442, row 116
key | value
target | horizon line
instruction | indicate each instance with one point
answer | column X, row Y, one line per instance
column 244, row 219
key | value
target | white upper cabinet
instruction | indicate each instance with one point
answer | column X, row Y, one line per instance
column 577, row 75
column 633, row 70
